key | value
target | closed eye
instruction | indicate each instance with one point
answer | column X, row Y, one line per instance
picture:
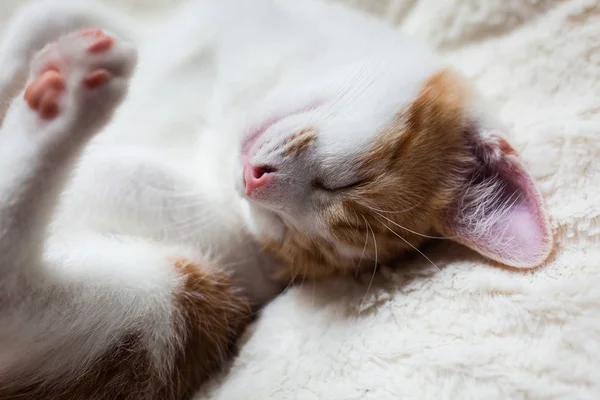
column 320, row 185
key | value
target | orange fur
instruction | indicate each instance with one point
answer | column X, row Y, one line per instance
column 299, row 142
column 412, row 174
column 210, row 317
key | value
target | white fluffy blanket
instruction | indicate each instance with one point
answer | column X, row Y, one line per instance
column 468, row 331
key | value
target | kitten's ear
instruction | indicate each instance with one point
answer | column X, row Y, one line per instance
column 499, row 212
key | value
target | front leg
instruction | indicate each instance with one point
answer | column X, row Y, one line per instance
column 75, row 85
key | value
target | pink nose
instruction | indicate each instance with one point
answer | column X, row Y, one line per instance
column 256, row 177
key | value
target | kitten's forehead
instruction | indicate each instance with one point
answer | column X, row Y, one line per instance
column 371, row 99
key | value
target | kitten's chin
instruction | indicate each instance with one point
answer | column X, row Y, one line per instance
column 262, row 223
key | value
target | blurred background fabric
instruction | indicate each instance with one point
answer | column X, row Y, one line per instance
column 470, row 330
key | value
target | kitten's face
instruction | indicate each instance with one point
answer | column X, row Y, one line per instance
column 359, row 173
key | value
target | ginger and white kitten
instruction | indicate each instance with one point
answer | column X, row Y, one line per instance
column 258, row 139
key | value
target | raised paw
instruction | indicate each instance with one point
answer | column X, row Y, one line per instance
column 85, row 72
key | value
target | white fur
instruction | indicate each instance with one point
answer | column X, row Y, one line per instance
column 162, row 179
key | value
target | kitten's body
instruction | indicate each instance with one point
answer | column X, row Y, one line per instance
column 131, row 261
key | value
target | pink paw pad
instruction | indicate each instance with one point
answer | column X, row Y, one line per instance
column 96, row 78
column 42, row 94
column 101, row 45
column 92, row 32
column 102, row 42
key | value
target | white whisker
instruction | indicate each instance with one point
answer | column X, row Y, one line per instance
column 304, row 276
column 375, row 266
column 233, row 264
column 411, row 245
column 409, row 230
column 364, row 247
column 389, row 212
column 292, row 279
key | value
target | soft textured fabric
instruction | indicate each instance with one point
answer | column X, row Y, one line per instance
column 469, row 330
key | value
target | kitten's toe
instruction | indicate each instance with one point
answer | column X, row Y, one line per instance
column 42, row 94
column 84, row 74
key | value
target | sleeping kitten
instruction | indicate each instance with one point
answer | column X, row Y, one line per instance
column 132, row 236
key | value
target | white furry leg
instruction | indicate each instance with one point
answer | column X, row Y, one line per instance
column 75, row 84
column 117, row 318
column 81, row 300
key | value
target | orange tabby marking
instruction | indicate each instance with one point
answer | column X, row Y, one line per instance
column 210, row 315
column 299, row 142
column 408, row 167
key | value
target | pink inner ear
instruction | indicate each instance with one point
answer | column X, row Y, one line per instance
column 500, row 213
column 517, row 238
column 524, row 227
